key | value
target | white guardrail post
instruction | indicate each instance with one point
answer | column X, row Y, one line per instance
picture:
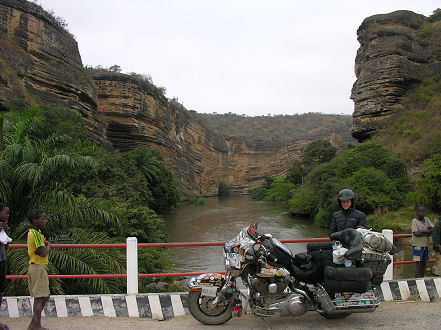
column 389, row 273
column 132, row 265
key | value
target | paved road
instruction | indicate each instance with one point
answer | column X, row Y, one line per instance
column 390, row 315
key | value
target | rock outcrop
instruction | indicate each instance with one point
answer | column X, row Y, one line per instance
column 389, row 62
column 40, row 62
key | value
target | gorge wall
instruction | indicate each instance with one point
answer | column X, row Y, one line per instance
column 390, row 61
column 138, row 115
column 40, row 62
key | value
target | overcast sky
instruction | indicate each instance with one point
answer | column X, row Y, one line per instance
column 253, row 57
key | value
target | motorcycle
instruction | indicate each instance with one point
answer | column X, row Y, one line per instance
column 278, row 283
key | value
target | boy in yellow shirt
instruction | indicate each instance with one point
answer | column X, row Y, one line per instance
column 38, row 251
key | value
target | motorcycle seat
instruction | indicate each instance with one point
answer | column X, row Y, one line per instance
column 318, row 246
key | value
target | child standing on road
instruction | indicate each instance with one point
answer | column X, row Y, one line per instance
column 38, row 280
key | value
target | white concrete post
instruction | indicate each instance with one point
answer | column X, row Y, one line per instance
column 389, row 273
column 132, row 265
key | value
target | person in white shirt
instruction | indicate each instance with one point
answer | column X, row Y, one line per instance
column 421, row 232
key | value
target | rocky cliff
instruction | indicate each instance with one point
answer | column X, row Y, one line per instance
column 390, row 61
column 40, row 62
column 138, row 115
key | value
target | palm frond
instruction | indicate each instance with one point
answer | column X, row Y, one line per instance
column 65, row 210
column 88, row 261
column 30, row 173
column 5, row 191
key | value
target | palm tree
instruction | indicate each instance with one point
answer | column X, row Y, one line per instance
column 148, row 161
column 30, row 173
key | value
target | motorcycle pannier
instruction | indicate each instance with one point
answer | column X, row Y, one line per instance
column 346, row 279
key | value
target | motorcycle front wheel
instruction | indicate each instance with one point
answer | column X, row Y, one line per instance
column 203, row 311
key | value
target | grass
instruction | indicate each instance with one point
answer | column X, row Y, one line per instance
column 415, row 132
column 398, row 221
column 198, row 201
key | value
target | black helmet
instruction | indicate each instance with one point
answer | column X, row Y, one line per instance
column 345, row 195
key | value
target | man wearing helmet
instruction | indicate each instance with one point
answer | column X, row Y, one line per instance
column 348, row 216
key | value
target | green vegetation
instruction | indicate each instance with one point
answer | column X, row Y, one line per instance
column 377, row 177
column 318, row 152
column 258, row 193
column 198, row 201
column 416, row 132
column 280, row 191
column 428, row 187
column 436, row 16
column 223, row 189
column 399, row 221
column 88, row 194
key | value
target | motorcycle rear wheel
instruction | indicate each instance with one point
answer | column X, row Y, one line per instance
column 199, row 308
column 335, row 316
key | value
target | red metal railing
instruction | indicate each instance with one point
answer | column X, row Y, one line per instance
column 158, row 245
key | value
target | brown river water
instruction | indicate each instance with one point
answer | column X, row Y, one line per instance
column 220, row 219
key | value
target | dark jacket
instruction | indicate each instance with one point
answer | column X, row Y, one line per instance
column 347, row 219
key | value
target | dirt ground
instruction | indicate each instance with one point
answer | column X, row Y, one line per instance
column 390, row 315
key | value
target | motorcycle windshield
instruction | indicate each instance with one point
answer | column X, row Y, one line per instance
column 239, row 241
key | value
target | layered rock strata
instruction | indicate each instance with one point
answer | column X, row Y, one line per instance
column 40, row 62
column 389, row 62
column 138, row 115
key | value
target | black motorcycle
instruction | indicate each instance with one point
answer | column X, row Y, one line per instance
column 278, row 283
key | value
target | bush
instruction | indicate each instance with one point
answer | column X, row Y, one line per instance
column 323, row 218
column 259, row 193
column 375, row 175
column 318, row 152
column 303, row 202
column 197, row 201
column 376, row 187
column 280, row 191
column 429, row 186
column 223, row 189
column 295, row 173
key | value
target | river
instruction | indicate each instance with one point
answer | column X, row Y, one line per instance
column 221, row 218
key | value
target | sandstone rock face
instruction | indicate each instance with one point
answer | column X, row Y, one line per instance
column 388, row 62
column 138, row 115
column 41, row 61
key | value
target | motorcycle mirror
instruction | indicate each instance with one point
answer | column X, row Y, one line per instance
column 252, row 231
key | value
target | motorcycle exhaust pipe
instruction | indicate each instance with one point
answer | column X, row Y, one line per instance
column 303, row 293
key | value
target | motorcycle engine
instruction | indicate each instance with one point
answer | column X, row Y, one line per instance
column 270, row 284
